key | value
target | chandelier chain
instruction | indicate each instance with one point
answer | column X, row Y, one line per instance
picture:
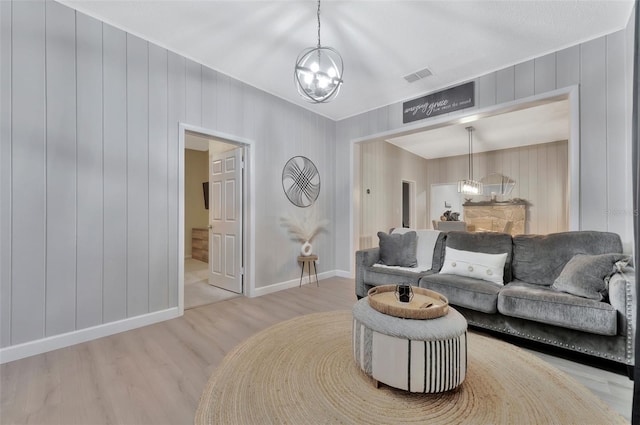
column 470, row 129
column 318, row 23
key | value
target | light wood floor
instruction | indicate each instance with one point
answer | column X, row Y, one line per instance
column 197, row 291
column 155, row 375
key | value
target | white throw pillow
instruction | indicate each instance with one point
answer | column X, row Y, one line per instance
column 489, row 267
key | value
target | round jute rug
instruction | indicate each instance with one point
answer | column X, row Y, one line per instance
column 302, row 372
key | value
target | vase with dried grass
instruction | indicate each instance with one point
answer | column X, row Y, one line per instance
column 304, row 228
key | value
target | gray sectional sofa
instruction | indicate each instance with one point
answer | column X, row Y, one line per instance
column 526, row 306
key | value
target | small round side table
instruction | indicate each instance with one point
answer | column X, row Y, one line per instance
column 308, row 261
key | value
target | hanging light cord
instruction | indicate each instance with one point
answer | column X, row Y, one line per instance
column 318, row 23
column 470, row 129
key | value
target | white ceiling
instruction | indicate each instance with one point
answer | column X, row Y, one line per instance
column 538, row 124
column 200, row 142
column 257, row 42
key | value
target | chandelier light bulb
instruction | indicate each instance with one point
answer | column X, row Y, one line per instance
column 308, row 78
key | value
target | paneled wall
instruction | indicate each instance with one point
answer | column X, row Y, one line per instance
column 89, row 170
column 601, row 69
column 540, row 173
column 383, row 168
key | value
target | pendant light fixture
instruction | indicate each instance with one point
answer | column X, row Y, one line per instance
column 318, row 72
column 470, row 186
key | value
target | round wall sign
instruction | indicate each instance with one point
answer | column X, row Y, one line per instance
column 301, row 181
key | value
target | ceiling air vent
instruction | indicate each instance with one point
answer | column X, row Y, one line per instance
column 418, row 75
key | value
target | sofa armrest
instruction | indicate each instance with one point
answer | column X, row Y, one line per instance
column 364, row 258
column 622, row 296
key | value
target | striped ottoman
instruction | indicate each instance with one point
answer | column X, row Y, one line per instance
column 424, row 356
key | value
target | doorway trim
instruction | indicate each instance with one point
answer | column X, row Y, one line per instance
column 572, row 93
column 248, row 201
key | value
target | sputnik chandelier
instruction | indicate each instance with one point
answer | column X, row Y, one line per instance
column 318, row 72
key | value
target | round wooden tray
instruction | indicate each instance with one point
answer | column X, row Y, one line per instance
column 426, row 304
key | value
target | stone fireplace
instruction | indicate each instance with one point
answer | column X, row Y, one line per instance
column 508, row 217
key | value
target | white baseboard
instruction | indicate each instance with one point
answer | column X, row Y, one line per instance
column 345, row 274
column 31, row 348
column 264, row 290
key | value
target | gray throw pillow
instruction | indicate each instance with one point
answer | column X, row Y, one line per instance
column 585, row 275
column 398, row 249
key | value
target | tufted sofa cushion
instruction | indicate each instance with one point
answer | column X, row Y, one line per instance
column 539, row 259
column 546, row 305
column 464, row 291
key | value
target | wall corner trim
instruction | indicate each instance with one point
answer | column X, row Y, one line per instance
column 294, row 283
column 345, row 274
column 31, row 348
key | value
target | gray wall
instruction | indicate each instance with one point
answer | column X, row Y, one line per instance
column 601, row 68
column 89, row 170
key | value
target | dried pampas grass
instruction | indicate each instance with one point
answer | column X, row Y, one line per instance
column 304, row 228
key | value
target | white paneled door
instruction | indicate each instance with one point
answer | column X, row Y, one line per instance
column 225, row 219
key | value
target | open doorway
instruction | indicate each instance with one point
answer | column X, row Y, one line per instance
column 408, row 204
column 378, row 159
column 213, row 198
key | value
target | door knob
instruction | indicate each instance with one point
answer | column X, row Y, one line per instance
column 211, row 226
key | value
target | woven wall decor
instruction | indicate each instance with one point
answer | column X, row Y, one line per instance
column 301, row 181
